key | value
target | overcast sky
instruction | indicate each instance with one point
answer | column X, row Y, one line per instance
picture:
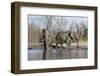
column 68, row 20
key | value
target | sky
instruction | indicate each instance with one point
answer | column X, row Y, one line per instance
column 38, row 20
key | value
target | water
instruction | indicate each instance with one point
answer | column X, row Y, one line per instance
column 37, row 54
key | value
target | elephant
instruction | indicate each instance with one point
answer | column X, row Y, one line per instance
column 66, row 37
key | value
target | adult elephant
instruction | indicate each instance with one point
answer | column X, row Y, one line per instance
column 66, row 37
column 63, row 37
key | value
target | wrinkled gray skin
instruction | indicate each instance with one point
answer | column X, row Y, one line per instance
column 66, row 37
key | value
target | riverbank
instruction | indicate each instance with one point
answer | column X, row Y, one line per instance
column 83, row 44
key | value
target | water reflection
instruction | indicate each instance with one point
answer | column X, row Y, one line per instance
column 60, row 53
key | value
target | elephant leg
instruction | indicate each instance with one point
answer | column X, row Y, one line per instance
column 68, row 44
column 77, row 42
column 70, row 40
column 61, row 45
column 56, row 45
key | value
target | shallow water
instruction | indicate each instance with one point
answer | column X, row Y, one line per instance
column 37, row 54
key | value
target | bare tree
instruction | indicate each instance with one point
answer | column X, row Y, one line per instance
column 84, row 31
column 60, row 23
column 33, row 35
column 75, row 33
column 46, row 21
column 74, row 26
